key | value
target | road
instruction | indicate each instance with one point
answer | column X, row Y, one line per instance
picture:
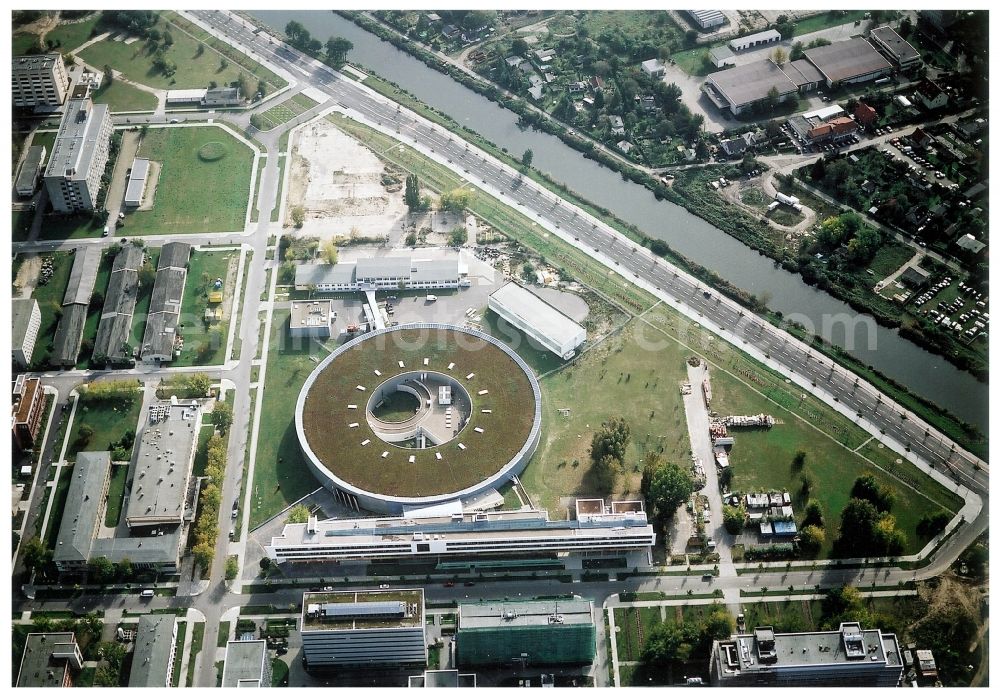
column 771, row 345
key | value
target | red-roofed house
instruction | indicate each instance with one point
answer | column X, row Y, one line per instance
column 865, row 114
column 834, row 130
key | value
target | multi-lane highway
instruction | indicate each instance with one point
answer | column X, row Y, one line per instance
column 856, row 396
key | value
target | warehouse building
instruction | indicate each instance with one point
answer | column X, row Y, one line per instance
column 530, row 632
column 247, row 665
column 26, row 319
column 707, row 19
column 26, row 412
column 541, row 322
column 849, row 656
column 165, row 305
column 312, row 319
column 153, row 656
column 358, row 629
column 115, row 325
column 894, row 47
column 443, row 679
column 138, row 176
column 519, row 533
column 754, row 41
column 851, row 61
column 76, row 302
column 222, row 97
column 722, row 56
column 749, row 85
column 803, row 74
column 79, row 155
column 30, row 171
column 49, row 660
column 389, row 272
column 186, row 98
column 39, row 82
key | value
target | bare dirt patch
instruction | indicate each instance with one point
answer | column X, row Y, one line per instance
column 27, row 276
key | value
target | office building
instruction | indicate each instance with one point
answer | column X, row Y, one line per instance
column 30, row 171
column 155, row 647
column 79, row 156
column 358, row 629
column 26, row 319
column 541, row 322
column 519, row 533
column 389, row 272
column 312, row 319
column 247, row 665
column 530, row 632
column 49, row 661
column 894, row 47
column 849, row 656
column 39, row 81
column 27, row 410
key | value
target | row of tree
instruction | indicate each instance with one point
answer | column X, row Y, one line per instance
column 206, row 529
column 335, row 49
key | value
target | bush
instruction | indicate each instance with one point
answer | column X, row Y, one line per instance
column 212, row 151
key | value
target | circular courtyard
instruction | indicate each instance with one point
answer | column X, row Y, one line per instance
column 418, row 415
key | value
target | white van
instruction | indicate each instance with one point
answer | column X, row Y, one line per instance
column 147, row 593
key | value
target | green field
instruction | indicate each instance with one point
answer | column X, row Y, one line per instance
column 21, row 220
column 71, row 35
column 280, row 474
column 123, row 97
column 195, row 195
column 22, row 42
column 50, row 299
column 204, row 344
column 195, row 68
column 109, row 420
column 285, row 111
column 56, row 227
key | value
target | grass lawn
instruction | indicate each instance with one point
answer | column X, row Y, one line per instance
column 178, row 650
column 692, row 62
column 123, row 97
column 50, row 298
column 833, row 18
column 634, row 625
column 279, row 673
column 44, row 138
column 58, row 497
column 116, row 495
column 57, row 227
column 286, row 111
column 784, row 615
column 280, row 474
column 195, row 195
column 254, row 213
column 197, row 639
column 21, row 43
column 888, row 259
column 223, row 634
column 203, row 344
column 276, row 211
column 20, row 226
column 109, row 420
column 201, row 452
column 142, row 301
column 71, row 35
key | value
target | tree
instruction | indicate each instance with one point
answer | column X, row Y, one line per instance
column 798, row 461
column 222, row 416
column 612, row 439
column 109, row 75
column 223, row 64
column 458, row 236
column 232, row 567
column 771, row 101
column 411, row 195
column 298, row 216
column 124, row 569
column 102, row 570
column 198, row 384
column 605, row 473
column 842, row 604
column 811, row 538
column 719, row 624
column 733, row 517
column 168, row 39
column 35, row 555
column 519, row 47
column 779, row 56
column 328, row 251
column 337, row 48
column 527, row 157
column 455, row 200
column 813, row 513
column 83, row 435
column 669, row 487
column 200, row 50
column 933, row 524
column 868, row 487
column 865, row 531
column 807, row 483
column 265, row 565
column 298, row 514
column 797, row 52
column 818, row 171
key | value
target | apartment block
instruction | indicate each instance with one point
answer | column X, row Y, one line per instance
column 39, row 81
column 79, row 156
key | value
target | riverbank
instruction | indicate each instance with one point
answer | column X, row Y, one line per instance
column 731, row 221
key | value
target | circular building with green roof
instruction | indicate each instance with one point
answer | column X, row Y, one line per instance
column 418, row 415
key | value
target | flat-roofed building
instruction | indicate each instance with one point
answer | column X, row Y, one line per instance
column 39, row 81
column 851, row 61
column 49, row 660
column 26, row 319
column 389, row 272
column 312, row 319
column 30, row 171
column 537, row 319
column 88, row 487
column 221, row 97
column 468, row 533
column 115, row 326
column 749, row 85
column 192, row 97
column 79, row 156
column 358, row 629
column 26, row 411
column 529, row 632
column 894, row 47
column 163, row 461
column 137, row 178
column 654, row 68
column 165, row 305
column 754, row 41
column 804, row 74
column 247, row 665
column 722, row 56
column 849, row 656
column 155, row 647
column 707, row 19
column 443, row 679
